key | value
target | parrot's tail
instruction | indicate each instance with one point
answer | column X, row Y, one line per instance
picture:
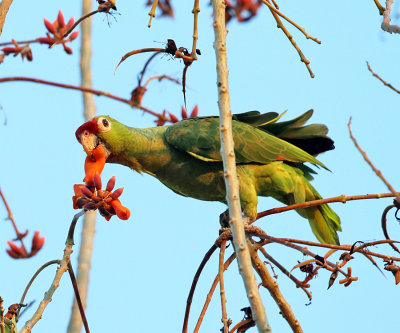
column 323, row 220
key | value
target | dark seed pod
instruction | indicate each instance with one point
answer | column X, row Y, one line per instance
column 117, row 193
column 110, row 184
column 90, row 206
column 86, row 192
column 97, row 181
column 81, row 202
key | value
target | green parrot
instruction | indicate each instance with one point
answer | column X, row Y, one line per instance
column 185, row 156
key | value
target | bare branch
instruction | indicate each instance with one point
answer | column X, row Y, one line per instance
column 273, row 288
column 386, row 19
column 4, row 7
column 377, row 172
column 230, row 174
column 382, row 80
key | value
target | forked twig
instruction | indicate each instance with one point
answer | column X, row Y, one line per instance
column 377, row 172
column 291, row 39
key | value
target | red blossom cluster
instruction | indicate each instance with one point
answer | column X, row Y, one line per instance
column 56, row 31
column 243, row 10
column 106, row 201
column 19, row 252
column 184, row 114
column 25, row 51
column 55, row 35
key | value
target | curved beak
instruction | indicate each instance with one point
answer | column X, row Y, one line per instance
column 89, row 142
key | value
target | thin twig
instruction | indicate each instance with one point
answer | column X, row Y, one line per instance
column 211, row 292
column 161, row 77
column 304, row 32
column 380, row 7
column 207, row 256
column 11, row 218
column 131, row 53
column 52, row 262
column 20, row 42
column 89, row 90
column 377, row 172
column 341, row 198
column 222, row 287
column 382, row 80
column 59, row 273
column 152, row 12
column 230, row 174
column 84, row 17
column 78, row 297
column 286, row 272
column 383, row 220
column 141, row 74
column 195, row 11
column 291, row 39
column 273, row 288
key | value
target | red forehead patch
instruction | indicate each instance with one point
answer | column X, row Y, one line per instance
column 90, row 126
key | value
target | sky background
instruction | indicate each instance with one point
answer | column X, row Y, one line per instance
column 143, row 268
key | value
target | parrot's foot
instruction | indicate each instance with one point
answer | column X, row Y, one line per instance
column 224, row 219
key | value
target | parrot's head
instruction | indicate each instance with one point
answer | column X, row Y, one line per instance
column 102, row 130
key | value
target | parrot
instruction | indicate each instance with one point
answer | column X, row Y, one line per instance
column 185, row 156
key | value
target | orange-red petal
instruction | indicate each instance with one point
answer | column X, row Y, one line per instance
column 95, row 164
column 122, row 212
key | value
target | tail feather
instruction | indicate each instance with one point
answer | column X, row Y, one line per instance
column 324, row 223
column 323, row 220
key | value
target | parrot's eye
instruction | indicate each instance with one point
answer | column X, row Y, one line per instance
column 103, row 124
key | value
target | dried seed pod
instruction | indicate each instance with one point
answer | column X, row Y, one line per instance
column 117, row 193
column 97, row 181
column 86, row 192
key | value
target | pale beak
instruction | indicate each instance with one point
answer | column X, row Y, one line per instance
column 89, row 142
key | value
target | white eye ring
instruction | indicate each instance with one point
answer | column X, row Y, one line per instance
column 103, row 124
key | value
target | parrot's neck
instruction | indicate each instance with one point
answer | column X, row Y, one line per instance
column 145, row 150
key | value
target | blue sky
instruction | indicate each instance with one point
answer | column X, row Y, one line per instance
column 143, row 267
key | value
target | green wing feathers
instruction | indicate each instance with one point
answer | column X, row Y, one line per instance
column 200, row 137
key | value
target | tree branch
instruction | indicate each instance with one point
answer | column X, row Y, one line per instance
column 89, row 222
column 273, row 288
column 4, row 6
column 230, row 175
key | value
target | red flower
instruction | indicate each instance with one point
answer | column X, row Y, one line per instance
column 174, row 119
column 19, row 252
column 25, row 51
column 106, row 201
column 56, row 31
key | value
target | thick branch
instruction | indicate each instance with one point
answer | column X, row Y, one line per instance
column 4, row 6
column 89, row 222
column 230, row 175
column 273, row 288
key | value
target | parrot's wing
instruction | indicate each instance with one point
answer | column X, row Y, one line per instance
column 200, row 137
